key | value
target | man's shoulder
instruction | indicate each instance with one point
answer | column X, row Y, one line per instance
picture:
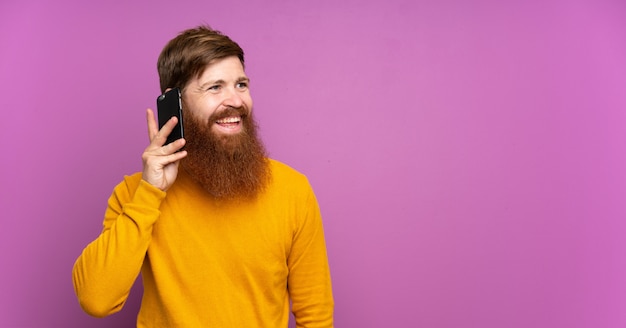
column 281, row 168
column 284, row 174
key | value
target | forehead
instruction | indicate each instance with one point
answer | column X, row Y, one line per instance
column 229, row 68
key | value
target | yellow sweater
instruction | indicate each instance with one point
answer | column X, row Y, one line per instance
column 210, row 263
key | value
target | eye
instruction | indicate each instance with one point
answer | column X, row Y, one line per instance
column 215, row 87
column 242, row 85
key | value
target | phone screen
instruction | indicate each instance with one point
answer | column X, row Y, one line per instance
column 169, row 104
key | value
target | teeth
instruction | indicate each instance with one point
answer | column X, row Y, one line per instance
column 230, row 120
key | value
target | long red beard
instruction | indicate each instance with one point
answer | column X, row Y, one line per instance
column 227, row 166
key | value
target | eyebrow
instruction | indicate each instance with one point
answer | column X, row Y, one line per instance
column 220, row 82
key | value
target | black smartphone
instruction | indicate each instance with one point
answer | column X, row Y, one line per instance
column 169, row 104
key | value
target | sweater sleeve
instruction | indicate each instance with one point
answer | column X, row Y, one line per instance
column 309, row 281
column 107, row 268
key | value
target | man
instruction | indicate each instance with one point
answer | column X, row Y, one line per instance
column 222, row 235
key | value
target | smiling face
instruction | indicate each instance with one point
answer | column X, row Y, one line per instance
column 220, row 97
column 224, row 153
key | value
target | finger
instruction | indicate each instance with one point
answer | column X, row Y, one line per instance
column 175, row 146
column 165, row 131
column 179, row 155
column 165, row 160
column 152, row 124
column 168, row 149
column 160, row 137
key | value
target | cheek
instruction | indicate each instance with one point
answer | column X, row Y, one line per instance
column 203, row 110
column 248, row 101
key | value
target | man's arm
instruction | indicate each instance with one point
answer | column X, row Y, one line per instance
column 309, row 281
column 107, row 268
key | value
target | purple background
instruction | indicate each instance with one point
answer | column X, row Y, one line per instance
column 469, row 156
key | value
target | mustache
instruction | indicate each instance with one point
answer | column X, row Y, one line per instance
column 229, row 112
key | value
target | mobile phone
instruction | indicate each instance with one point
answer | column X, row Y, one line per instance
column 169, row 104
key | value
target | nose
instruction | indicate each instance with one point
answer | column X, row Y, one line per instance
column 233, row 99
